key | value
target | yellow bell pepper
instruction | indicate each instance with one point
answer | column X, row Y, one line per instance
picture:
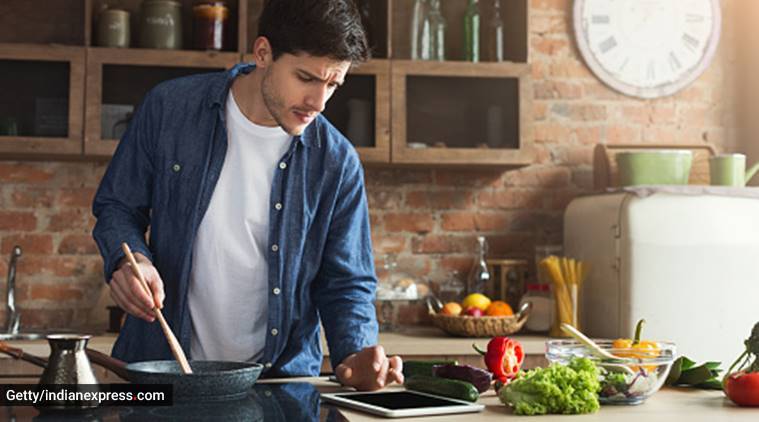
column 636, row 348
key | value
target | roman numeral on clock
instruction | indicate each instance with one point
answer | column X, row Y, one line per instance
column 693, row 17
column 691, row 42
column 607, row 44
column 674, row 62
column 600, row 19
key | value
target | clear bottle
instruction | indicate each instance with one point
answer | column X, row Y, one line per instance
column 479, row 277
column 437, row 26
column 420, row 30
column 494, row 37
column 472, row 32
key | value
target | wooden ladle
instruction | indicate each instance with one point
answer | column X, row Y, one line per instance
column 176, row 348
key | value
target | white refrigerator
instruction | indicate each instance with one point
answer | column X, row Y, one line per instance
column 688, row 264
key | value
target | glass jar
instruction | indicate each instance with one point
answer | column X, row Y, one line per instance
column 210, row 25
column 452, row 288
column 541, row 315
column 394, row 286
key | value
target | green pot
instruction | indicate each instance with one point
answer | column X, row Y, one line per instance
column 666, row 167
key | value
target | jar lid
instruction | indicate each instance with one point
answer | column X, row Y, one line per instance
column 538, row 287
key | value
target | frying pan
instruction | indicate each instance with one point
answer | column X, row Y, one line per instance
column 210, row 380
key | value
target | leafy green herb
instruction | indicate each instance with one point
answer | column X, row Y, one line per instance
column 560, row 389
column 684, row 372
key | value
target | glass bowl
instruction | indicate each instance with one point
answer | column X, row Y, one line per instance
column 631, row 379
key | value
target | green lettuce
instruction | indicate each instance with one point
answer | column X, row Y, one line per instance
column 561, row 389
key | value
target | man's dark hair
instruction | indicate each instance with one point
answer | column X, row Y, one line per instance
column 322, row 28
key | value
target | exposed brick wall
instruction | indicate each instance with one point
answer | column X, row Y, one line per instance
column 428, row 217
column 45, row 208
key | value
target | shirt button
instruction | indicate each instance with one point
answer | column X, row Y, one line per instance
column 267, row 365
column 283, row 165
column 275, row 290
column 278, row 206
column 267, row 393
column 176, row 168
column 274, row 331
column 274, row 248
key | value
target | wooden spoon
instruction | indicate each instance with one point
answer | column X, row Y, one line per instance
column 596, row 349
column 176, row 348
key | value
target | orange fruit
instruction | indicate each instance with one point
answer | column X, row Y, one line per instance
column 451, row 308
column 499, row 308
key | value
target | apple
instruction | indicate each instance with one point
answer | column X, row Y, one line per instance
column 473, row 311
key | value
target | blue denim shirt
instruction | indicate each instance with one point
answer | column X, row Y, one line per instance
column 320, row 261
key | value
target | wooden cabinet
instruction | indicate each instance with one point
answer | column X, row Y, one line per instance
column 121, row 77
column 394, row 109
column 43, row 99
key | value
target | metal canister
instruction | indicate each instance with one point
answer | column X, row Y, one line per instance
column 68, row 367
column 161, row 24
column 113, row 28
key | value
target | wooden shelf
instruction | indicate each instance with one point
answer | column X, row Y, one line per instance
column 504, row 86
column 390, row 83
column 99, row 58
column 380, row 152
column 35, row 145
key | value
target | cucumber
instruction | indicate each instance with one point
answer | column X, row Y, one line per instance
column 423, row 367
column 454, row 389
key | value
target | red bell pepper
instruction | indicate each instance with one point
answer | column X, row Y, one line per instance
column 503, row 358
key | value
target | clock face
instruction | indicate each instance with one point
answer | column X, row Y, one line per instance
column 647, row 48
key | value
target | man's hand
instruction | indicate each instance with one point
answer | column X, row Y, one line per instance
column 370, row 369
column 127, row 292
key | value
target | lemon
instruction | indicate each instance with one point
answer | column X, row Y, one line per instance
column 476, row 300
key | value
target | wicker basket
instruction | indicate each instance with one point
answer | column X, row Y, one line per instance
column 485, row 326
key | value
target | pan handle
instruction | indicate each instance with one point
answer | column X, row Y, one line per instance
column 20, row 354
column 112, row 364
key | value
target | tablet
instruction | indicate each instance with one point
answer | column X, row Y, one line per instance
column 399, row 404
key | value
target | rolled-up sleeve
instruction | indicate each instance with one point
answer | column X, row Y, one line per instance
column 123, row 201
column 346, row 283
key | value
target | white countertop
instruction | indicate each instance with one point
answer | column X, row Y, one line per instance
column 667, row 405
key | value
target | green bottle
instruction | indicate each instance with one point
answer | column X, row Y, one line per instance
column 472, row 32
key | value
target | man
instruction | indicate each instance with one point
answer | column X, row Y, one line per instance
column 257, row 211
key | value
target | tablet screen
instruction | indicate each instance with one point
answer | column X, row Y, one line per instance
column 398, row 400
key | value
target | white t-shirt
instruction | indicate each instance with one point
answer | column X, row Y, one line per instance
column 229, row 287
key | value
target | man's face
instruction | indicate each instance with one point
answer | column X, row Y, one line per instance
column 296, row 88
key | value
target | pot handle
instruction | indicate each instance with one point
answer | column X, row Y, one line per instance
column 112, row 364
column 20, row 354
column 751, row 172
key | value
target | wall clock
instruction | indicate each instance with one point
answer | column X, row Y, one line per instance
column 647, row 48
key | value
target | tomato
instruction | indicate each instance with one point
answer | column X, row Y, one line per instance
column 743, row 388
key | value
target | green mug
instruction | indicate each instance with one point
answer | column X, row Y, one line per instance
column 730, row 170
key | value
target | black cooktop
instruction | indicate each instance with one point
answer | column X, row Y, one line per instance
column 267, row 402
